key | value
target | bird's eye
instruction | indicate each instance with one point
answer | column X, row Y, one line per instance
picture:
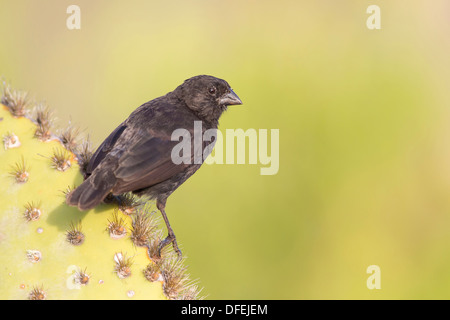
column 212, row 90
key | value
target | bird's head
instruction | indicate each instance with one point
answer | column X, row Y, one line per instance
column 207, row 96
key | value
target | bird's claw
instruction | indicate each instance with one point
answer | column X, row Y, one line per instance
column 110, row 198
column 169, row 239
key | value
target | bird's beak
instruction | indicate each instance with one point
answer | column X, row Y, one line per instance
column 230, row 98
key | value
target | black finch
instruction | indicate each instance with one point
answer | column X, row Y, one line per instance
column 136, row 156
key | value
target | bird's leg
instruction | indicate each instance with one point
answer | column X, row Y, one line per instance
column 171, row 236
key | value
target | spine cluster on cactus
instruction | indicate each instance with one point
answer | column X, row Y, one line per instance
column 53, row 251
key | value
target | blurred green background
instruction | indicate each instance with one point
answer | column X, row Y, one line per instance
column 364, row 124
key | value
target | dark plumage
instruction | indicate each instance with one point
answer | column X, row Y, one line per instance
column 136, row 156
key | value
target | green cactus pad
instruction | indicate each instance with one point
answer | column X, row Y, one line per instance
column 53, row 251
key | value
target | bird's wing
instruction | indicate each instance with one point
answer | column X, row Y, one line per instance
column 105, row 148
column 146, row 162
column 140, row 148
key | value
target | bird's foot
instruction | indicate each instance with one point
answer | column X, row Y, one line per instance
column 169, row 239
column 110, row 198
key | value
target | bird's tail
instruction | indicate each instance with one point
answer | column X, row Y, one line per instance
column 91, row 192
